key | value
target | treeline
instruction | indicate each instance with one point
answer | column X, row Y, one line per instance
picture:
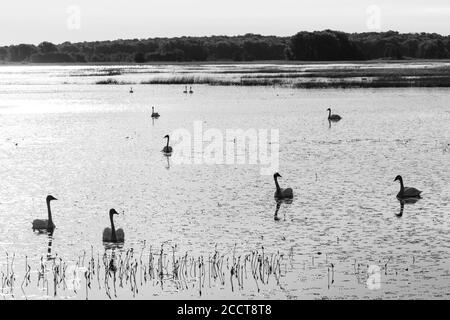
column 325, row 45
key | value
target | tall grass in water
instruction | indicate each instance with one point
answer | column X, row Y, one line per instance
column 115, row 271
column 332, row 77
column 213, row 81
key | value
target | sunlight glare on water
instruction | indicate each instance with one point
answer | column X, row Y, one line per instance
column 95, row 148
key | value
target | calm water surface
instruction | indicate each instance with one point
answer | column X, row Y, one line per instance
column 95, row 147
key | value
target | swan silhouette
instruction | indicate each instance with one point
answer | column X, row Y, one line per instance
column 190, row 90
column 131, row 90
column 167, row 148
column 282, row 193
column 185, row 90
column 406, row 192
column 333, row 117
column 154, row 114
column 111, row 234
column 45, row 225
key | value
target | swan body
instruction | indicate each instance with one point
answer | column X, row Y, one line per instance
column 167, row 148
column 333, row 117
column 154, row 114
column 282, row 193
column 111, row 234
column 190, row 90
column 407, row 192
column 45, row 225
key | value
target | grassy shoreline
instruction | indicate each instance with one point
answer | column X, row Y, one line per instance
column 362, row 76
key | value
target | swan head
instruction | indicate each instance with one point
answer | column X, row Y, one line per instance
column 328, row 109
column 166, row 137
column 113, row 212
column 398, row 178
column 277, row 175
column 50, row 198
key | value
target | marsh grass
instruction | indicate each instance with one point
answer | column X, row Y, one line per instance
column 321, row 78
column 111, row 81
column 207, row 80
column 132, row 271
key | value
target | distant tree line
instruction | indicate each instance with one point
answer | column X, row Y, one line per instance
column 327, row 45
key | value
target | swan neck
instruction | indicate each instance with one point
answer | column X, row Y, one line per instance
column 168, row 138
column 402, row 187
column 276, row 183
column 113, row 229
column 49, row 212
column 329, row 113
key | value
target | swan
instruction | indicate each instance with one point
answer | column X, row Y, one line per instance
column 154, row 114
column 406, row 192
column 185, row 90
column 111, row 234
column 131, row 90
column 167, row 148
column 190, row 90
column 48, row 225
column 282, row 193
column 333, row 117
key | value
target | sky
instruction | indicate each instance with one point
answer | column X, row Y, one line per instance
column 89, row 20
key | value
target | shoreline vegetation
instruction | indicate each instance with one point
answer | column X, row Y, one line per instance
column 323, row 48
column 362, row 76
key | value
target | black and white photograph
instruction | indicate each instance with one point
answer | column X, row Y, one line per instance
column 198, row 150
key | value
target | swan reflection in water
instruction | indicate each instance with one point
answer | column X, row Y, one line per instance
column 279, row 202
column 402, row 205
column 168, row 160
column 330, row 123
column 49, row 246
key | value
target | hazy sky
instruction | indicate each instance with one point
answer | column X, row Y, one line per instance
column 85, row 20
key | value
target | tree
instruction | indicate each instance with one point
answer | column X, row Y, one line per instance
column 139, row 57
column 47, row 47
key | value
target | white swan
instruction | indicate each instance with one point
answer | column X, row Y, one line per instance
column 111, row 234
column 167, row 148
column 282, row 193
column 47, row 225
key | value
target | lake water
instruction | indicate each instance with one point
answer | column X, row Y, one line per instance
column 95, row 147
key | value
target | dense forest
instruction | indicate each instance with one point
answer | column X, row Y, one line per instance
column 327, row 45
